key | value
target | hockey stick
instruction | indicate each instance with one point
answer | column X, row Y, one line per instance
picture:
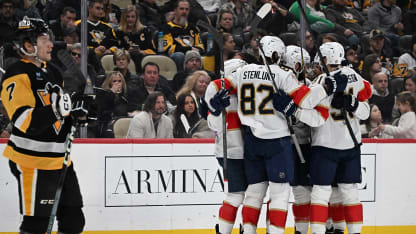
column 289, row 122
column 70, row 139
column 263, row 11
column 321, row 58
column 220, row 43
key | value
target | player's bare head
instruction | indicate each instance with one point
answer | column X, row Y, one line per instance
column 274, row 49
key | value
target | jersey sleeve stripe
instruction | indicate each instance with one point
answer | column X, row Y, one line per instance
column 300, row 94
column 24, row 120
column 323, row 111
column 365, row 93
column 233, row 122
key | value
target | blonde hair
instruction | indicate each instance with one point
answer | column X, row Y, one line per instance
column 123, row 19
column 108, row 82
column 191, row 81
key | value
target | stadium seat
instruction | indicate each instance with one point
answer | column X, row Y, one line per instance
column 288, row 38
column 121, row 126
column 166, row 65
column 405, row 43
column 108, row 64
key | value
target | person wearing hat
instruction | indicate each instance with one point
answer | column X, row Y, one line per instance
column 381, row 46
column 192, row 62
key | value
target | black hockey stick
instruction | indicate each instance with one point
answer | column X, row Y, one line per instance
column 70, row 139
column 289, row 122
column 220, row 43
column 321, row 58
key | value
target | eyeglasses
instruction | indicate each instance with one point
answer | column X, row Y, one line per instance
column 115, row 81
column 76, row 54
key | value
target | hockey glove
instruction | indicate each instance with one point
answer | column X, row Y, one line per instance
column 79, row 112
column 203, row 108
column 220, row 101
column 60, row 102
column 283, row 103
column 336, row 83
column 349, row 102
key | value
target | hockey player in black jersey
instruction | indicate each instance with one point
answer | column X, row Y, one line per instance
column 40, row 113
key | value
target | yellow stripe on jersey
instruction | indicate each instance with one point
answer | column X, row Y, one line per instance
column 19, row 84
column 42, row 163
column 27, row 177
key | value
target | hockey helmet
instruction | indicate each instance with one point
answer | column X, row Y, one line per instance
column 294, row 55
column 333, row 52
column 232, row 65
column 28, row 30
column 272, row 44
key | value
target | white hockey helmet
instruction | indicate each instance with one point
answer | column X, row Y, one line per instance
column 232, row 65
column 293, row 56
column 333, row 52
column 271, row 44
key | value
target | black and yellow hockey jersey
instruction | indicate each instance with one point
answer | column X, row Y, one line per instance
column 177, row 38
column 142, row 39
column 38, row 139
column 99, row 33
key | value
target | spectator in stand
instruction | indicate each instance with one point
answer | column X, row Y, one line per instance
column 370, row 125
column 406, row 103
column 380, row 46
column 8, row 14
column 151, row 122
column 315, row 16
column 386, row 16
column 277, row 21
column 135, row 37
column 196, row 85
column 225, row 21
column 409, row 19
column 192, row 63
column 309, row 42
column 27, row 8
column 352, row 57
column 349, row 22
column 101, row 35
column 111, row 103
column 180, row 35
column 371, row 66
column 407, row 61
column 112, row 13
column 210, row 6
column 242, row 14
column 252, row 48
column 121, row 61
column 70, row 36
column 148, row 84
column 229, row 46
column 410, row 83
column 66, row 21
column 382, row 96
column 150, row 14
column 191, row 125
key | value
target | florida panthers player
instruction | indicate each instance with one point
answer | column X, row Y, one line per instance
column 268, row 153
column 216, row 100
column 335, row 157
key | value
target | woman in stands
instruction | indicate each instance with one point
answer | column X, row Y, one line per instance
column 195, row 85
column 134, row 36
column 410, row 83
column 369, row 126
column 186, row 121
column 111, row 103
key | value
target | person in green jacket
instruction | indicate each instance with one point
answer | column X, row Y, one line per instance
column 314, row 15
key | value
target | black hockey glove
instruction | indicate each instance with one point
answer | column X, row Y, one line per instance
column 283, row 103
column 336, row 83
column 220, row 101
column 349, row 102
column 79, row 112
column 60, row 101
column 203, row 108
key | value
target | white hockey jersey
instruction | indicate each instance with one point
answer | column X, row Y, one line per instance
column 334, row 132
column 255, row 94
column 234, row 138
column 406, row 62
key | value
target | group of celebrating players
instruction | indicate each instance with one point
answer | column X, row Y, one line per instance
column 322, row 165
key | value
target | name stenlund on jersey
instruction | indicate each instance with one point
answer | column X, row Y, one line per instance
column 260, row 75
